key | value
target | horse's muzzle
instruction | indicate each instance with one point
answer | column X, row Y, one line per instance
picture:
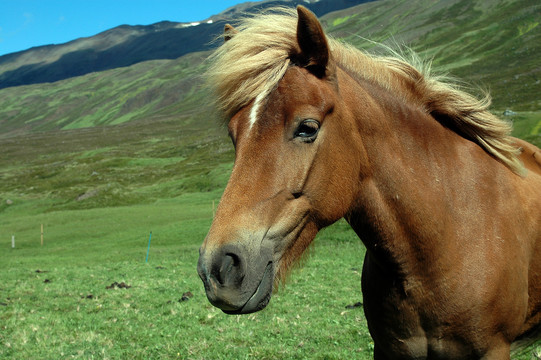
column 236, row 281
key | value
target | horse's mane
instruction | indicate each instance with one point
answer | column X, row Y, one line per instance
column 258, row 54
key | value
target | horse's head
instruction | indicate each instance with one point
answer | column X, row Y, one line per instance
column 295, row 171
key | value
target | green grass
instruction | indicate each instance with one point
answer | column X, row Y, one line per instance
column 340, row 20
column 151, row 89
column 494, row 44
column 65, row 310
column 527, row 126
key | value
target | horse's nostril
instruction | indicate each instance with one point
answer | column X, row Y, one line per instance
column 237, row 280
column 227, row 267
column 227, row 270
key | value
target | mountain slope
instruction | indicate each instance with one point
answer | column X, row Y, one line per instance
column 148, row 89
column 492, row 43
column 127, row 45
column 119, row 47
column 458, row 34
column 133, row 134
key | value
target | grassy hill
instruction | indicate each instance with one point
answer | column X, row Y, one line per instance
column 494, row 44
column 149, row 89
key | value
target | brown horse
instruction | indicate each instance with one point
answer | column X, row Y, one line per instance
column 446, row 202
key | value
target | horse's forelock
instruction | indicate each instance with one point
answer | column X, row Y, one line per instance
column 253, row 60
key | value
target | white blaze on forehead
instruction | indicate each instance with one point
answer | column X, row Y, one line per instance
column 255, row 108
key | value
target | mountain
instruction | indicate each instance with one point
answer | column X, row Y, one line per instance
column 474, row 40
column 133, row 134
column 127, row 45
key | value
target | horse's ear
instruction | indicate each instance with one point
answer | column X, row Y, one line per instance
column 229, row 32
column 312, row 42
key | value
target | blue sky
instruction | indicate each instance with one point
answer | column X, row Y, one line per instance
column 28, row 23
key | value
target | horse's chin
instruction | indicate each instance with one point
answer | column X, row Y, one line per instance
column 260, row 298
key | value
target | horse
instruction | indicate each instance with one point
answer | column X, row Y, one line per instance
column 445, row 200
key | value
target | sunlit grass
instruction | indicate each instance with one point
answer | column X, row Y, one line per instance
column 55, row 301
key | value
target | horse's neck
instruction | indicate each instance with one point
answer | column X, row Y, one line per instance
column 399, row 215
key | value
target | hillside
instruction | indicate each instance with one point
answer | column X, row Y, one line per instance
column 460, row 36
column 147, row 89
column 127, row 45
column 493, row 44
column 147, row 131
column 122, row 46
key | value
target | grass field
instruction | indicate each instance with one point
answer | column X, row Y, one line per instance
column 54, row 302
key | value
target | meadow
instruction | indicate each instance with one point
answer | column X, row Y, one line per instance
column 55, row 302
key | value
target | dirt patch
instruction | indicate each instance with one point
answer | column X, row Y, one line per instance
column 185, row 297
column 353, row 306
column 117, row 285
column 87, row 195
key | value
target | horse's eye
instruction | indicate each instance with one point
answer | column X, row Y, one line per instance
column 307, row 130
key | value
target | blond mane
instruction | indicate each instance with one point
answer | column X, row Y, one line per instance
column 258, row 54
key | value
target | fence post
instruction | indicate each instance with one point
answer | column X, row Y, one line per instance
column 13, row 241
column 148, row 249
